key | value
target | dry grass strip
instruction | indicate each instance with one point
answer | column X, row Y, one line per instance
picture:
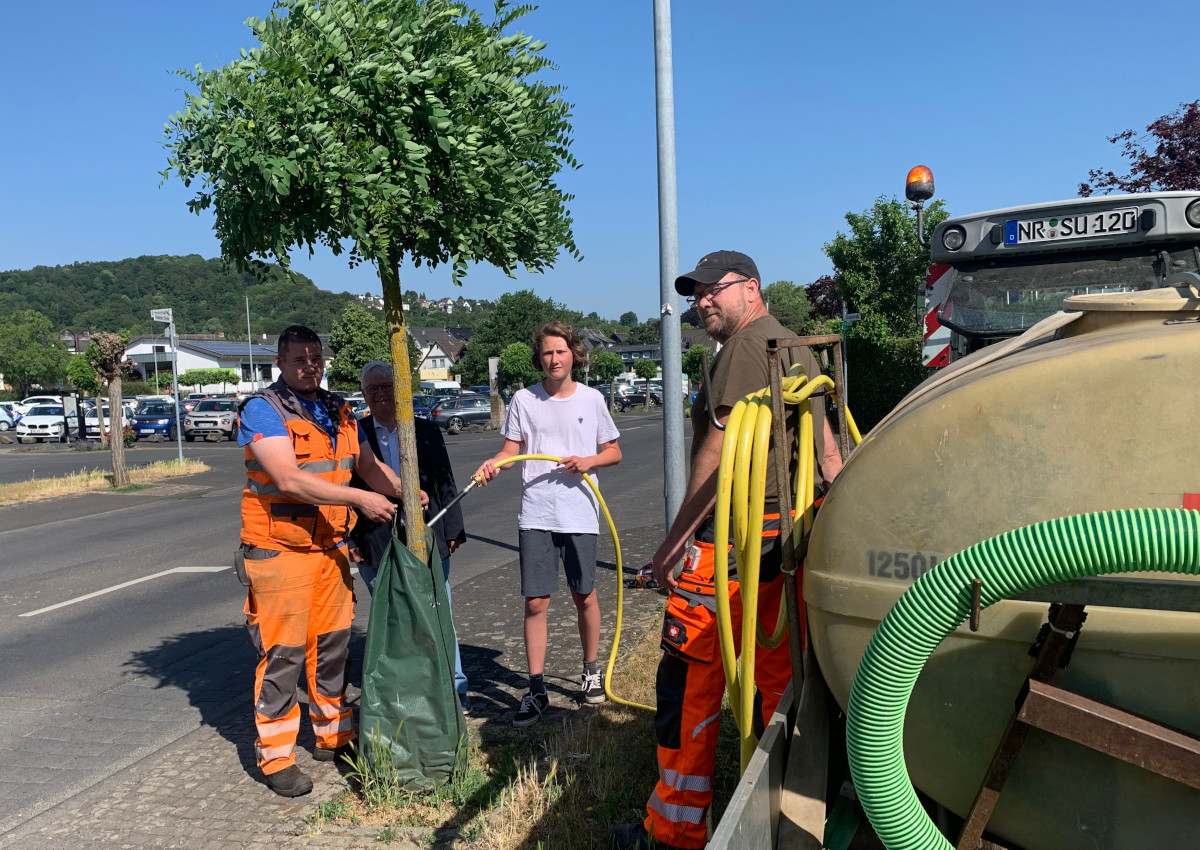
column 95, row 481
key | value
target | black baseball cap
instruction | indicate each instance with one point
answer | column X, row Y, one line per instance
column 712, row 267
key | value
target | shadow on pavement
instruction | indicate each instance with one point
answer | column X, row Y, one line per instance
column 215, row 668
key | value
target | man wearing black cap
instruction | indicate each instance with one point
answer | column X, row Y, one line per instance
column 726, row 290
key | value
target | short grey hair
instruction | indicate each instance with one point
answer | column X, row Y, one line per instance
column 375, row 366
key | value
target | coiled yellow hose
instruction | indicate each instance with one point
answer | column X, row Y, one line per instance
column 612, row 529
column 741, row 494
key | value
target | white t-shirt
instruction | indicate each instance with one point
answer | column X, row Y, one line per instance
column 552, row 498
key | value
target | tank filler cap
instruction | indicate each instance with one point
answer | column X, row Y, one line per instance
column 1169, row 299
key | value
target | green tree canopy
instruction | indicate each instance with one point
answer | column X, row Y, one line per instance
column 789, row 304
column 516, row 365
column 82, row 374
column 399, row 128
column 878, row 266
column 647, row 333
column 606, row 365
column 646, row 370
column 359, row 337
column 628, row 319
column 516, row 318
column 403, row 128
column 693, row 363
column 30, row 351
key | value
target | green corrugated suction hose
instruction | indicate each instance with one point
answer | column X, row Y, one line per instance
column 940, row 601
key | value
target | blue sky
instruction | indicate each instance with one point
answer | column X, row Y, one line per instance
column 788, row 115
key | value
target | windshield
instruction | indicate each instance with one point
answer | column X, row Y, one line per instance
column 989, row 299
column 212, row 404
column 46, row 411
column 156, row 410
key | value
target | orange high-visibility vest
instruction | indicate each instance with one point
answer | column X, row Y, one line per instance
column 272, row 520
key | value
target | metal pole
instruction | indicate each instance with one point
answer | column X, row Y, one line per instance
column 250, row 346
column 675, row 476
column 175, row 380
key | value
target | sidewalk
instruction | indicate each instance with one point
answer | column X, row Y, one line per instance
column 203, row 791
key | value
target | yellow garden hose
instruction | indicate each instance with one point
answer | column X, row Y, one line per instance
column 612, row 529
column 741, row 495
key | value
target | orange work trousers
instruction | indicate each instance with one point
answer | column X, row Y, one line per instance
column 298, row 609
column 689, row 687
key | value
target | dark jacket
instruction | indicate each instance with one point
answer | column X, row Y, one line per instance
column 437, row 479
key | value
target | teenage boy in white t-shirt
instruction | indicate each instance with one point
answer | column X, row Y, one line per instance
column 559, row 513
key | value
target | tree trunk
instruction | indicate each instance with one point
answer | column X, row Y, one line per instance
column 647, row 407
column 611, row 389
column 100, row 418
column 406, row 429
column 119, row 472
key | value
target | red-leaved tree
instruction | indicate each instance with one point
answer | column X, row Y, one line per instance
column 1174, row 162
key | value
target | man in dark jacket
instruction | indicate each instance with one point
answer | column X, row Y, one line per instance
column 379, row 431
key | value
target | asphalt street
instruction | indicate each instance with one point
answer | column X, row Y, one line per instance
column 120, row 618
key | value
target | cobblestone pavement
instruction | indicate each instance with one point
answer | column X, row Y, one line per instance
column 203, row 790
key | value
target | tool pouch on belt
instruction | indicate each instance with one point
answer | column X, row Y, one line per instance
column 254, row 553
column 689, row 626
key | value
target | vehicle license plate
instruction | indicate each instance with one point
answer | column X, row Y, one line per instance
column 145, row 430
column 1106, row 223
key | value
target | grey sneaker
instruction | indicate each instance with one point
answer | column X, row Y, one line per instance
column 592, row 687
column 532, row 706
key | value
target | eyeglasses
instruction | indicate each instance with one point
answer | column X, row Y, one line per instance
column 381, row 389
column 712, row 291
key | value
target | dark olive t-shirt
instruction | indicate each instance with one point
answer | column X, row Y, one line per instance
column 741, row 368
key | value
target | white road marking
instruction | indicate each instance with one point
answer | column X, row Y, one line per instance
column 124, row 585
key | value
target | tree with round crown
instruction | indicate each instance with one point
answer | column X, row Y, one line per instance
column 390, row 130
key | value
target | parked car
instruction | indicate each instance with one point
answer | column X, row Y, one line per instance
column 359, row 408
column 211, row 416
column 91, row 424
column 155, row 419
column 487, row 391
column 7, row 420
column 455, row 413
column 635, row 400
column 422, row 404
column 46, row 422
column 26, row 404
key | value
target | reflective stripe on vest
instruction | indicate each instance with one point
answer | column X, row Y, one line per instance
column 676, row 813
column 272, row 520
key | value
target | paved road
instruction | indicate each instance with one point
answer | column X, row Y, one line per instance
column 120, row 625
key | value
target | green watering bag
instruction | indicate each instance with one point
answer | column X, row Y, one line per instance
column 410, row 713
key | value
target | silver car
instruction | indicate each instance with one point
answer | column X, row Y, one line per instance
column 217, row 416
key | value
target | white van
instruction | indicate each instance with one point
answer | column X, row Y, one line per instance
column 441, row 388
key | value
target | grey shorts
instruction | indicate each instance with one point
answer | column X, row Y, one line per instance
column 542, row 550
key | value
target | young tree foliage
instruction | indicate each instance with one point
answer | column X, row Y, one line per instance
column 1173, row 164
column 878, row 267
column 388, row 129
column 30, row 351
column 359, row 337
column 647, row 370
column 606, row 365
column 516, row 365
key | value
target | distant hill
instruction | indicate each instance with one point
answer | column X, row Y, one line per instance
column 205, row 297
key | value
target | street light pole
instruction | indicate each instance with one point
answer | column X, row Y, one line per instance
column 675, row 477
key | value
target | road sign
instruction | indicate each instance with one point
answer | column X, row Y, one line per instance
column 161, row 315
